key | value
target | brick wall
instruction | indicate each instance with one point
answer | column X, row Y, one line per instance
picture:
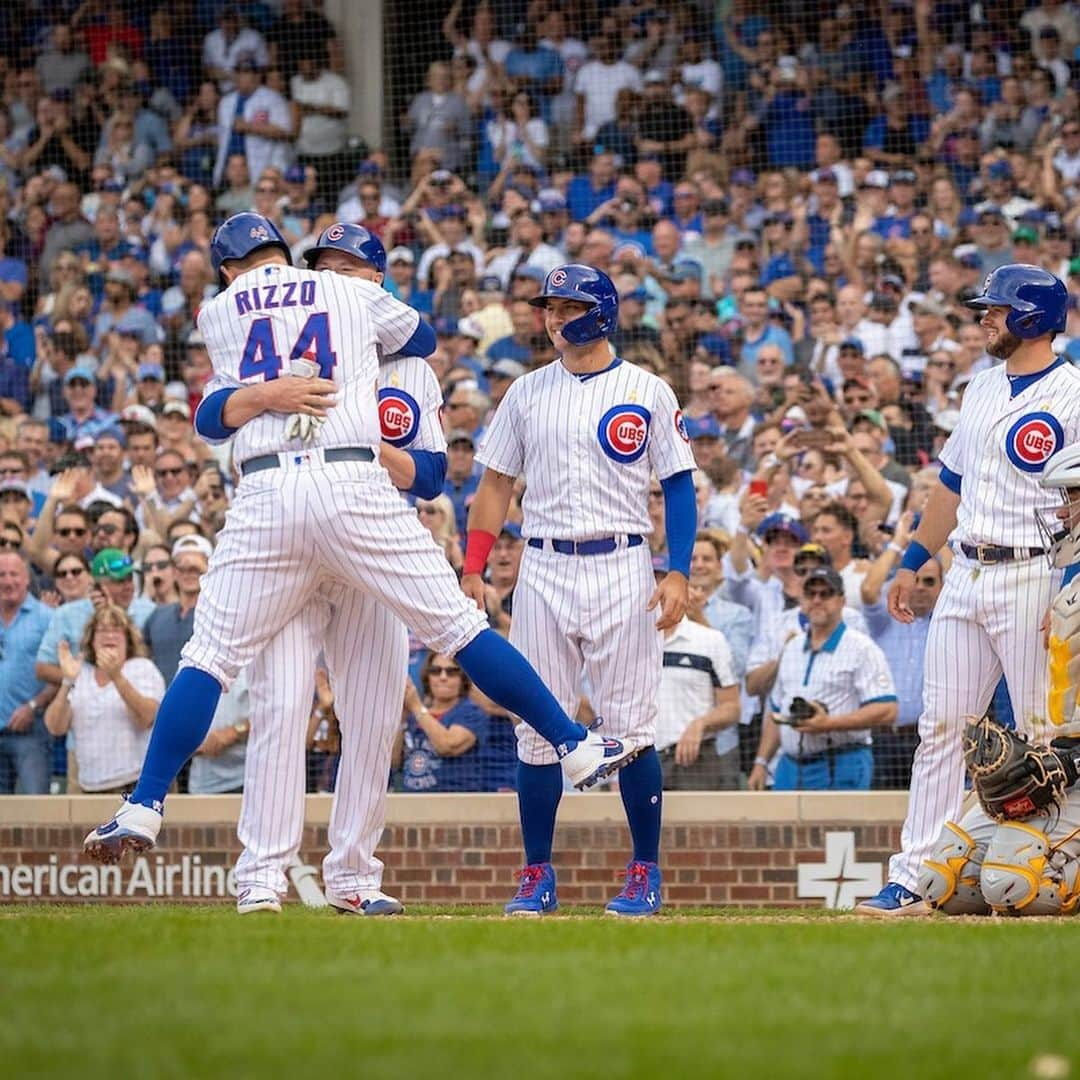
column 745, row 862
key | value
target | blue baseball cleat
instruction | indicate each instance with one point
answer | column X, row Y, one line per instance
column 134, row 828
column 536, row 893
column 640, row 895
column 893, row 900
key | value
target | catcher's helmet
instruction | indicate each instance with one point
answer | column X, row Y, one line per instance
column 240, row 235
column 593, row 287
column 1060, row 522
column 1039, row 301
column 354, row 240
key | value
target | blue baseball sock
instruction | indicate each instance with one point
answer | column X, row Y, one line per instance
column 540, row 788
column 507, row 678
column 183, row 719
column 641, row 786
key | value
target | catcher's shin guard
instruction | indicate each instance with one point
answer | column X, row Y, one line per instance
column 949, row 879
column 1024, row 874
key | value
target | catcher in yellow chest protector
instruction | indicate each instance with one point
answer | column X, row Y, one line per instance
column 1018, row 851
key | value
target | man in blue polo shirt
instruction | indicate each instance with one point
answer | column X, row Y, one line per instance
column 833, row 686
column 25, row 746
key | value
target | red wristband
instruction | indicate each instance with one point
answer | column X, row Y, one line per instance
column 477, row 549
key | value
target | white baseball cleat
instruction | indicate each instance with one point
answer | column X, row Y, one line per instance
column 257, row 898
column 134, row 827
column 365, row 902
column 594, row 758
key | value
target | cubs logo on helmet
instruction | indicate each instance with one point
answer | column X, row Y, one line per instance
column 558, row 277
column 399, row 416
column 624, row 432
column 335, row 232
column 1033, row 440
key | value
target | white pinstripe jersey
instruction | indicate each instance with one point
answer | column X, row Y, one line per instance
column 999, row 448
column 410, row 405
column 273, row 314
column 586, row 448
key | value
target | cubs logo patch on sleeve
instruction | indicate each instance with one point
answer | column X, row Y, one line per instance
column 624, row 432
column 1033, row 440
column 680, row 426
column 399, row 416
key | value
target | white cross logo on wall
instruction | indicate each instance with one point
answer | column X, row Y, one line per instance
column 840, row 881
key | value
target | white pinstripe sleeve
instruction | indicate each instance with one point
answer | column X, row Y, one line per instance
column 503, row 447
column 394, row 322
column 873, row 679
column 669, row 449
column 431, row 435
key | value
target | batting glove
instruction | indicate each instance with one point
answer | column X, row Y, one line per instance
column 300, row 425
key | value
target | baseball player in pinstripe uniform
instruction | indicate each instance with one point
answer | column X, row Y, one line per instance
column 368, row 683
column 1029, row 866
column 313, row 503
column 1014, row 418
column 586, row 432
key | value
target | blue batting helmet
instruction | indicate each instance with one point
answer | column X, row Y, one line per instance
column 354, row 240
column 1039, row 301
column 238, row 236
column 593, row 287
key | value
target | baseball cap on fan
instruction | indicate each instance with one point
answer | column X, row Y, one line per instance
column 112, row 563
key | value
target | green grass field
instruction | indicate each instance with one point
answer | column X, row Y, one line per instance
column 161, row 991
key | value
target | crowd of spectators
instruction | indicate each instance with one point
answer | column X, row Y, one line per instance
column 794, row 201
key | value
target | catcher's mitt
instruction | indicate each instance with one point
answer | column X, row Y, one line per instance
column 1013, row 779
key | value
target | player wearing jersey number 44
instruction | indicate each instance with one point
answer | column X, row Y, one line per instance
column 306, row 511
column 1015, row 417
column 586, row 433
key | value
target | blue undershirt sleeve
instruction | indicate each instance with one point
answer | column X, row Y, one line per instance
column 422, row 342
column 430, row 473
column 950, row 479
column 680, row 516
column 209, row 424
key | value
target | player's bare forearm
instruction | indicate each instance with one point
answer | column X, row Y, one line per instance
column 491, row 502
column 399, row 464
column 284, row 395
column 938, row 518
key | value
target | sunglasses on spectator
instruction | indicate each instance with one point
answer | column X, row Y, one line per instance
column 108, row 530
column 447, row 671
column 804, row 568
column 75, row 571
column 158, row 564
column 71, row 532
column 178, row 471
column 14, row 545
column 819, row 594
column 78, row 382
